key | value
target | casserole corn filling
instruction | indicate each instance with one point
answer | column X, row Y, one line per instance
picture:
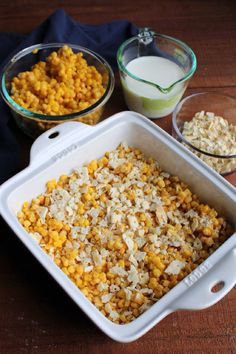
column 124, row 231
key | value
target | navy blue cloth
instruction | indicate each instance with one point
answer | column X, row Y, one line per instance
column 59, row 27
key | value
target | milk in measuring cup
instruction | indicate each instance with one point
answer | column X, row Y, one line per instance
column 147, row 99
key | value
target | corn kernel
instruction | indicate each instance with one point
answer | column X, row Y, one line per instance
column 87, row 197
column 161, row 183
column 51, row 185
column 92, row 166
column 158, row 263
column 207, row 231
column 156, row 272
column 26, row 223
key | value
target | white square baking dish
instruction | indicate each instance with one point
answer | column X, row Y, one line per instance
column 69, row 145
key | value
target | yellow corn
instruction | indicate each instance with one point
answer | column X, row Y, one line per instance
column 64, row 84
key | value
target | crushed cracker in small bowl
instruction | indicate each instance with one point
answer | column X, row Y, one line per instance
column 206, row 124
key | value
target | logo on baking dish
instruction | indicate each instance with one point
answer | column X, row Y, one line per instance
column 197, row 273
column 65, row 152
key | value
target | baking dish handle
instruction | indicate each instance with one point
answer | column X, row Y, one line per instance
column 50, row 142
column 208, row 289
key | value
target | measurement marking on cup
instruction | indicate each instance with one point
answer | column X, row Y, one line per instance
column 65, row 152
column 197, row 273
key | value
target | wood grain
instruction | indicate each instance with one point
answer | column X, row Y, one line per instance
column 36, row 316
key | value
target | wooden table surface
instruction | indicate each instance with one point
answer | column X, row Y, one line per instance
column 36, row 316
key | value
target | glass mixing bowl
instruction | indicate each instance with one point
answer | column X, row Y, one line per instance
column 221, row 105
column 33, row 124
column 166, row 56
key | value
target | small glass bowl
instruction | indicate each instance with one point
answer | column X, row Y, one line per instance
column 33, row 124
column 146, row 97
column 221, row 105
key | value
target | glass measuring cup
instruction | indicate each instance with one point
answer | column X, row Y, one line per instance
column 155, row 70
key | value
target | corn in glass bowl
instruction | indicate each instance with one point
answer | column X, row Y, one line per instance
column 215, row 145
column 32, row 123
